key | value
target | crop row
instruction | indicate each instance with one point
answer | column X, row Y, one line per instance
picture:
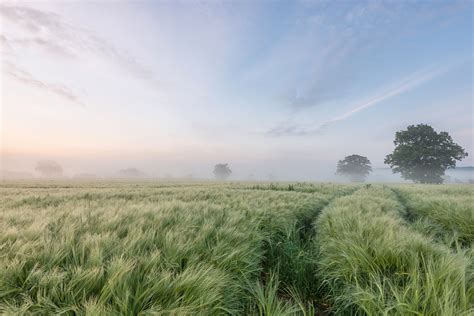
column 372, row 262
column 445, row 213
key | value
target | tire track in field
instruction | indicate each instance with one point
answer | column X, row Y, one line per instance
column 426, row 225
column 407, row 213
column 292, row 257
column 410, row 217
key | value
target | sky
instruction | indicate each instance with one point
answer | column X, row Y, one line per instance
column 279, row 89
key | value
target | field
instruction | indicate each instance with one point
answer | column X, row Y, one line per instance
column 236, row 248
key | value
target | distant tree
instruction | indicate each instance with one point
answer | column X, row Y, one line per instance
column 222, row 171
column 131, row 173
column 423, row 155
column 356, row 167
column 49, row 168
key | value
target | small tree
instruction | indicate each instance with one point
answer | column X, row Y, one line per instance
column 49, row 169
column 356, row 167
column 423, row 155
column 222, row 171
column 131, row 173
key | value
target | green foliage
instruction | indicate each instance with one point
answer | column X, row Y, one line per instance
column 356, row 167
column 423, row 155
column 371, row 263
column 267, row 300
column 232, row 248
column 125, row 249
column 446, row 215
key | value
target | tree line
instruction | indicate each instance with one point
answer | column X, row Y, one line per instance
column 421, row 155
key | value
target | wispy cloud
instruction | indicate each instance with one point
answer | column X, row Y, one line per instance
column 27, row 79
column 348, row 30
column 408, row 83
column 48, row 31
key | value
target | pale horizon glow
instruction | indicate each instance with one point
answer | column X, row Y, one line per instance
column 273, row 88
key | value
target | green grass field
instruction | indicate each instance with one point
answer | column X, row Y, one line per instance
column 236, row 248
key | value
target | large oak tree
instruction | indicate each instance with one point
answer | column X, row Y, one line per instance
column 423, row 155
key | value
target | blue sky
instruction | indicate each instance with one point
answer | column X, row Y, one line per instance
column 286, row 88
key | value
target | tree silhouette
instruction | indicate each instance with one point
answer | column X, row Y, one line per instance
column 423, row 155
column 49, row 169
column 131, row 173
column 355, row 167
column 222, row 171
